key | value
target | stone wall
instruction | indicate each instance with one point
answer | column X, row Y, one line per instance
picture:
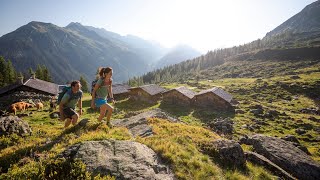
column 7, row 100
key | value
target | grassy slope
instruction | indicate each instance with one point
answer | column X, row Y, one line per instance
column 34, row 156
column 178, row 144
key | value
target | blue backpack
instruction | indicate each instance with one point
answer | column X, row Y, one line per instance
column 93, row 84
column 61, row 94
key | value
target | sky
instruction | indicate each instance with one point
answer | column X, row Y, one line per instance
column 202, row 24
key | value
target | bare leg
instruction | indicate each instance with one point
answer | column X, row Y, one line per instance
column 75, row 118
column 103, row 109
column 67, row 122
column 110, row 110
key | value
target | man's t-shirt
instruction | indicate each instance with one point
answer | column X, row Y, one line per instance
column 71, row 99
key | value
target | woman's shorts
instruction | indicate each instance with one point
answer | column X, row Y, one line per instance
column 99, row 102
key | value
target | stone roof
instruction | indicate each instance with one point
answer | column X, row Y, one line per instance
column 219, row 92
column 151, row 89
column 183, row 90
column 34, row 83
column 120, row 88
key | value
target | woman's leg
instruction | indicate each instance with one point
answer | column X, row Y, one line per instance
column 110, row 110
column 103, row 109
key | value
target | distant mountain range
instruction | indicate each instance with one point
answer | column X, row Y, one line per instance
column 176, row 55
column 76, row 50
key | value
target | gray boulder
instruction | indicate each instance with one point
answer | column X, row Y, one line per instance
column 227, row 152
column 122, row 159
column 285, row 155
column 262, row 161
column 13, row 124
column 296, row 143
column 222, row 126
column 138, row 124
column 291, row 138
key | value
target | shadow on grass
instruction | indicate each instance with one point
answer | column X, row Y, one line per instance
column 207, row 115
column 176, row 110
column 14, row 157
column 310, row 90
column 204, row 114
column 132, row 105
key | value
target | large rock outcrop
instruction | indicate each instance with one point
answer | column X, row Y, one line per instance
column 285, row 155
column 122, row 159
column 13, row 124
column 226, row 152
column 138, row 125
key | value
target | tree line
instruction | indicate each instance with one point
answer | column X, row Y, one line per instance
column 9, row 75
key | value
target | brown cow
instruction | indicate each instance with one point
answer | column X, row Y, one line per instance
column 28, row 105
column 39, row 105
column 18, row 106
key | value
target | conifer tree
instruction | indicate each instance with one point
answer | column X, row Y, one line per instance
column 84, row 84
column 11, row 73
column 39, row 72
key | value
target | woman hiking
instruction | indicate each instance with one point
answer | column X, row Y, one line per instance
column 100, row 93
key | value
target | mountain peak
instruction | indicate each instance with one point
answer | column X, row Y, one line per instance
column 307, row 20
column 74, row 24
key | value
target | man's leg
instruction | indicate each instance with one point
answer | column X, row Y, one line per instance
column 69, row 113
column 67, row 122
column 75, row 118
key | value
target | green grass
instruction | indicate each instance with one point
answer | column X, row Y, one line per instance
column 266, row 83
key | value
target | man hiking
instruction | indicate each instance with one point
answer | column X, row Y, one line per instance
column 68, row 103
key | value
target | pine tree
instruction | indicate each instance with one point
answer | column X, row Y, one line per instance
column 39, row 72
column 30, row 71
column 84, row 84
column 2, row 71
column 46, row 74
column 11, row 73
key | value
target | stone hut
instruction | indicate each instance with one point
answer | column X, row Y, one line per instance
column 215, row 98
column 147, row 93
column 31, row 88
column 181, row 96
column 120, row 91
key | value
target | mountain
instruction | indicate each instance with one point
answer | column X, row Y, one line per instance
column 176, row 55
column 69, row 51
column 302, row 29
column 308, row 20
column 150, row 51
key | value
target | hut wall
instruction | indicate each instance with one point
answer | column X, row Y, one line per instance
column 176, row 98
column 210, row 100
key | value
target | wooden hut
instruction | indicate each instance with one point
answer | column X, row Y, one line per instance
column 181, row 96
column 147, row 93
column 215, row 98
column 120, row 91
column 31, row 85
column 31, row 88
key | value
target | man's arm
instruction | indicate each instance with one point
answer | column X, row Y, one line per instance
column 64, row 100
column 61, row 110
column 93, row 95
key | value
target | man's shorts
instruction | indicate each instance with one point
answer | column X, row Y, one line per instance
column 99, row 102
column 69, row 112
